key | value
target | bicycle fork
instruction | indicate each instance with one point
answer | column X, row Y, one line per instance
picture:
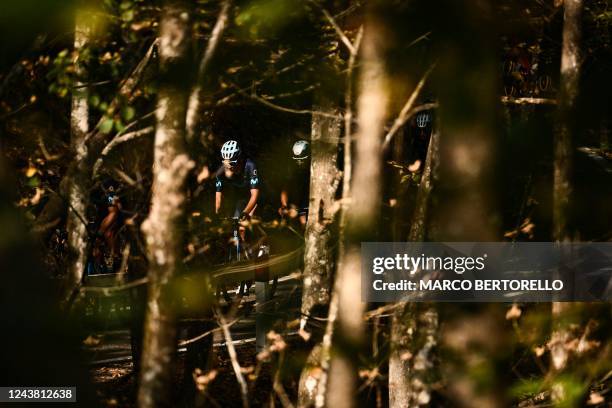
column 237, row 243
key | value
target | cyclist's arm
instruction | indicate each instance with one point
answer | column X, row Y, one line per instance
column 218, row 194
column 284, row 199
column 115, row 205
column 252, row 201
column 108, row 222
column 218, row 198
column 254, row 182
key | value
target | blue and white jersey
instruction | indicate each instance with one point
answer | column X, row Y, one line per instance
column 245, row 180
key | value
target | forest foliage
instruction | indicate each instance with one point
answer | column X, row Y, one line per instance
column 357, row 72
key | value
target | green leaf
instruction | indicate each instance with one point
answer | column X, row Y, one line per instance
column 119, row 127
column 107, row 125
column 125, row 5
column 94, row 100
column 127, row 16
column 526, row 387
column 128, row 113
column 34, row 182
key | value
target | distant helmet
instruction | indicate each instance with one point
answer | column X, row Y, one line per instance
column 109, row 188
column 110, row 198
column 230, row 150
column 423, row 119
column 301, row 150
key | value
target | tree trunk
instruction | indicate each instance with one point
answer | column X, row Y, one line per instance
column 414, row 335
column 466, row 199
column 563, row 167
column 419, row 218
column 79, row 188
column 324, row 178
column 565, row 125
column 55, row 209
column 313, row 380
column 414, row 326
column 361, row 220
column 162, row 227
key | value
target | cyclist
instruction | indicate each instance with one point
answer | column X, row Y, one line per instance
column 418, row 152
column 295, row 192
column 111, row 223
column 105, row 249
column 237, row 184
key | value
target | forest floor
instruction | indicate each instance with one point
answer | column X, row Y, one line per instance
column 116, row 387
column 111, row 367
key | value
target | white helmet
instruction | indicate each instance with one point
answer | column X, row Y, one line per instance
column 230, row 150
column 301, row 150
column 423, row 119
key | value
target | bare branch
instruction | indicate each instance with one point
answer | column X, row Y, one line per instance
column 354, row 6
column 90, row 84
column 135, row 122
column 43, row 148
column 269, row 104
column 351, row 47
column 117, row 141
column 16, row 111
column 278, row 386
column 127, row 87
column 433, row 105
column 231, row 350
column 348, row 117
column 270, row 72
column 528, row 101
column 419, row 39
column 409, row 114
column 406, row 110
column 130, row 83
column 69, row 205
column 199, row 337
column 124, row 176
column 382, row 311
column 108, row 290
column 291, row 94
column 196, row 94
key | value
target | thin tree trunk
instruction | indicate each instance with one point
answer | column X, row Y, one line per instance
column 466, row 203
column 399, row 217
column 324, row 178
column 362, row 217
column 313, row 380
column 196, row 96
column 78, row 189
column 414, row 336
column 563, row 144
column 563, row 168
column 419, row 218
column 161, row 228
column 414, row 326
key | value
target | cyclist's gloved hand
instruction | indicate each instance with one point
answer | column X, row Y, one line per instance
column 245, row 217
